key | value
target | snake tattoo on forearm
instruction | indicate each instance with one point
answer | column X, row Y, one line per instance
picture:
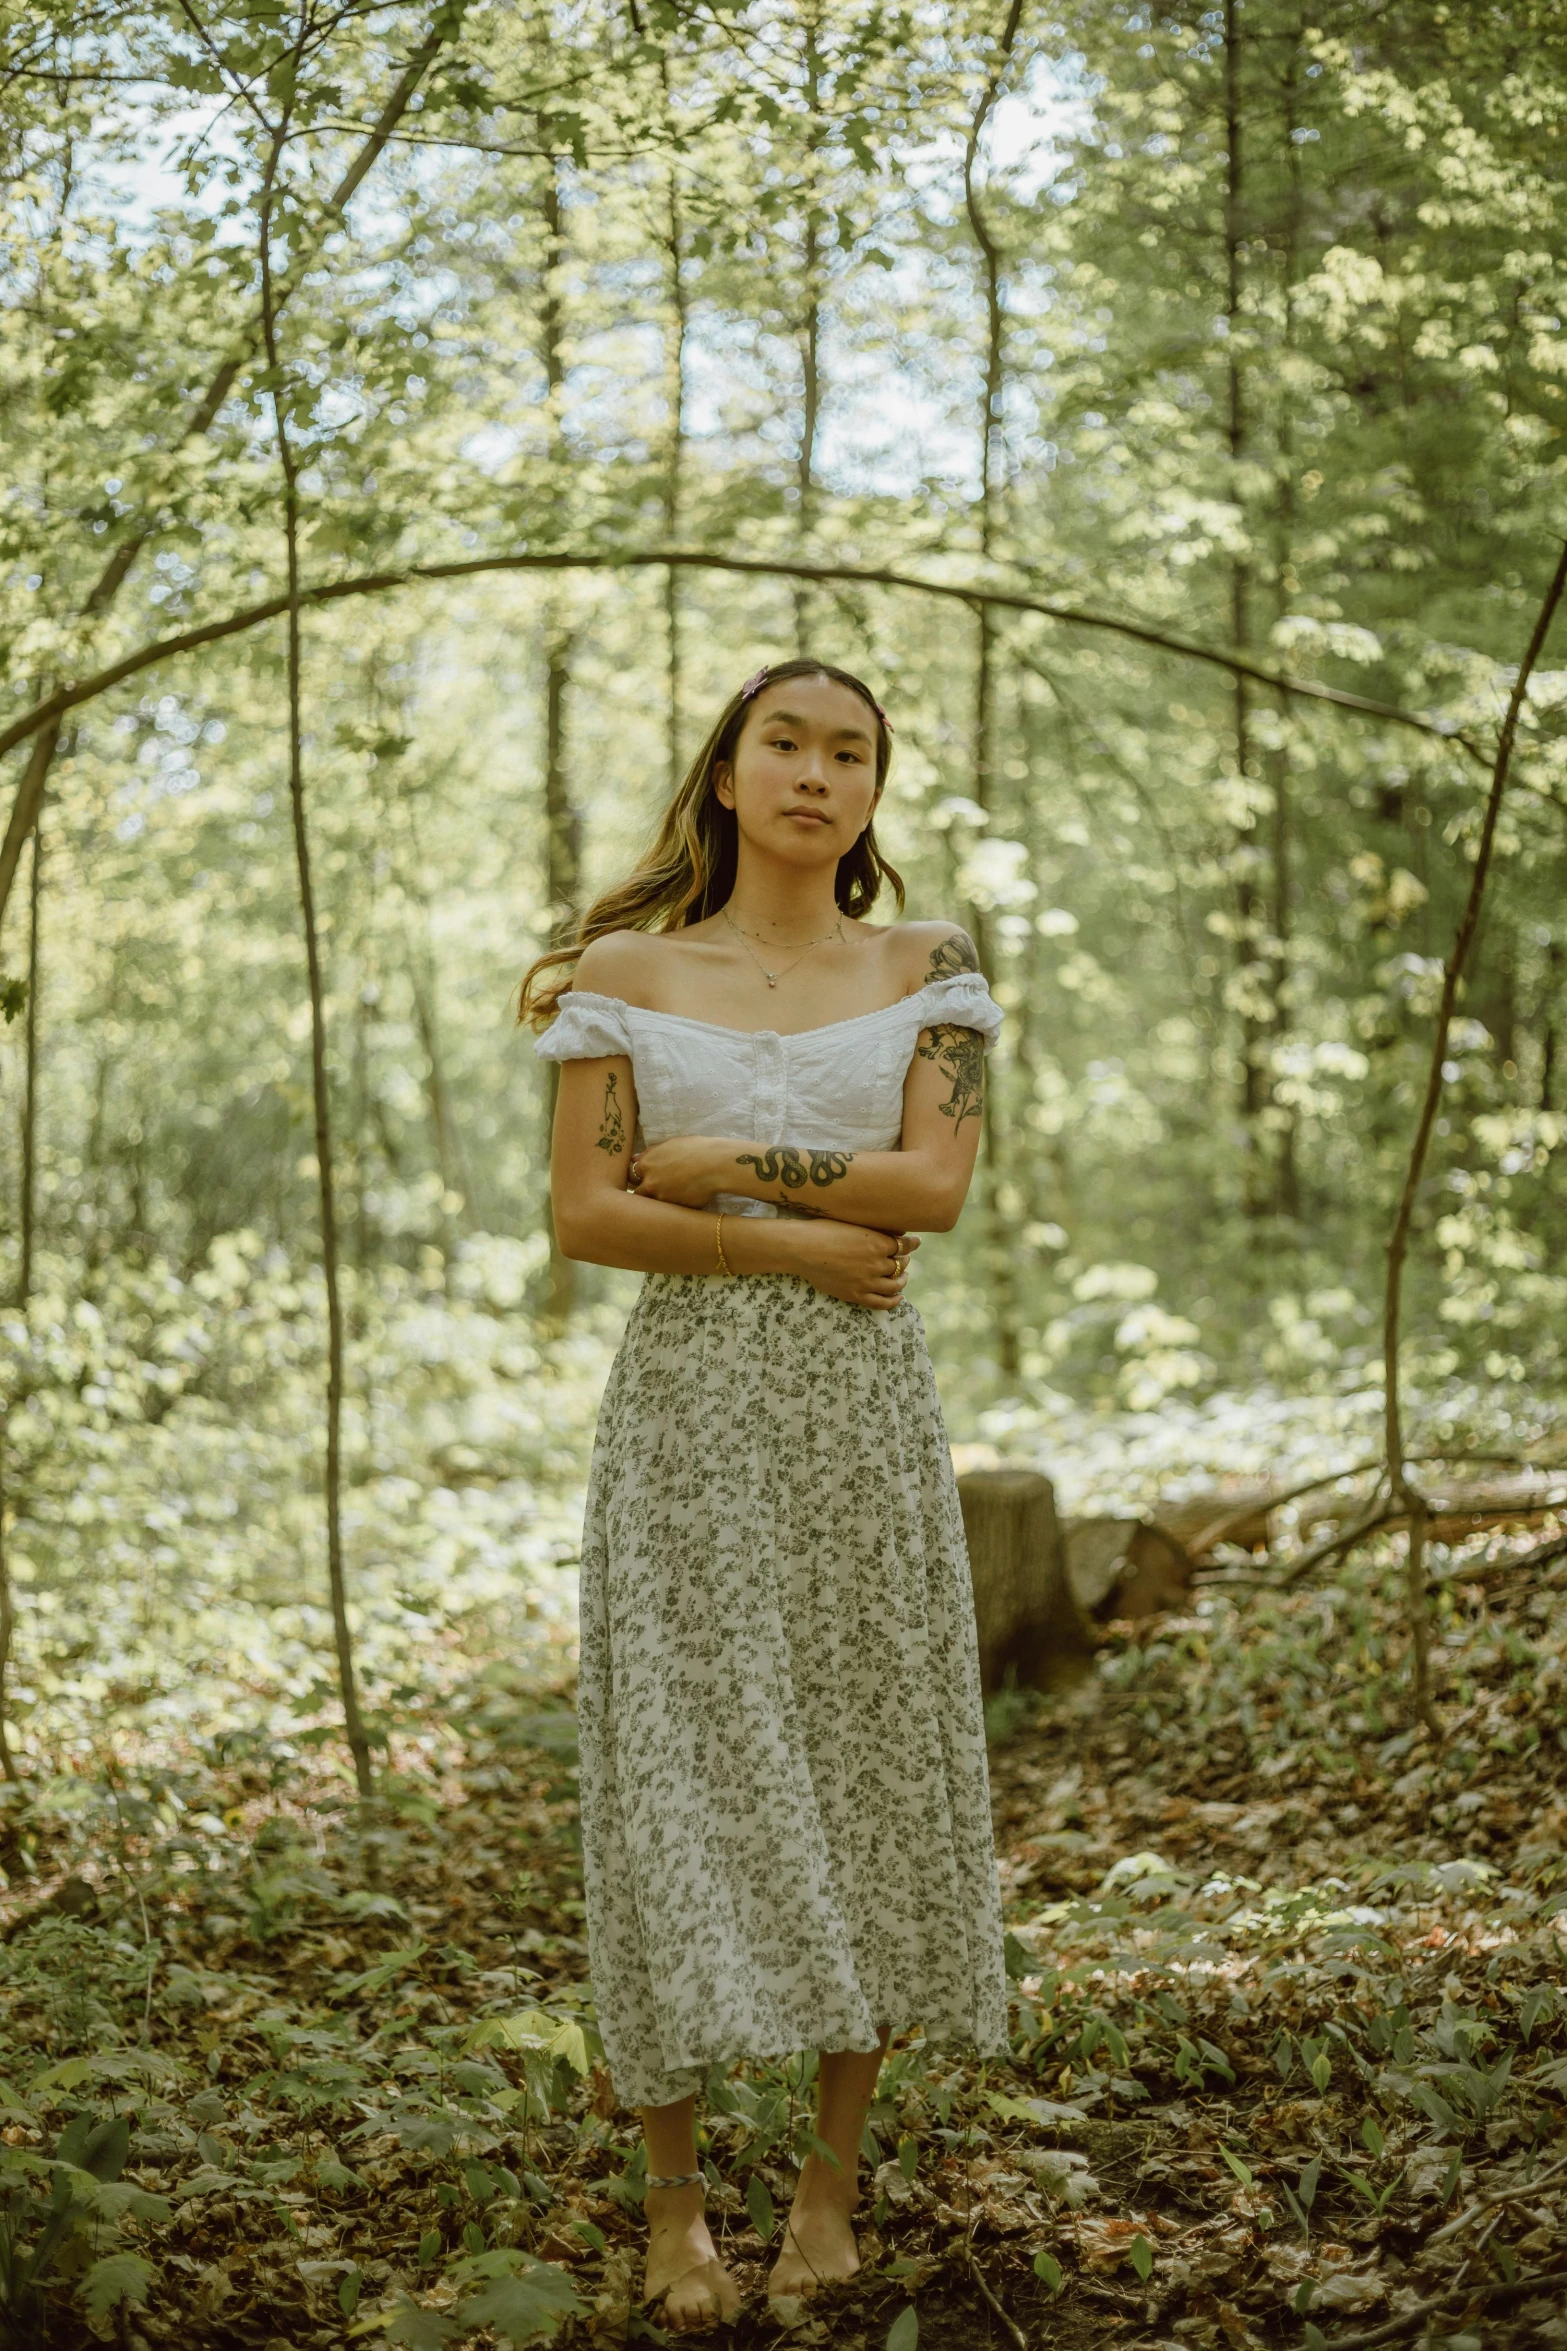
column 782, row 1164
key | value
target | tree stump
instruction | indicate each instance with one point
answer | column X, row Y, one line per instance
column 1028, row 1619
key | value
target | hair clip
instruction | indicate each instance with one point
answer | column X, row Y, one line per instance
column 754, row 685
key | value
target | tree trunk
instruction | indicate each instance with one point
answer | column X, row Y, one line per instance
column 1286, row 1172
column 7, row 1619
column 810, row 334
column 1253, row 1081
column 999, row 1250
column 24, row 1286
column 562, row 837
column 1549, row 996
column 353, row 1721
column 1030, row 1627
column 450, row 1161
column 674, row 468
column 29, row 1202
column 562, row 818
column 1406, row 1496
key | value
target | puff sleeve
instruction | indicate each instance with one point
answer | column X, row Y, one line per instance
column 964, row 1001
column 585, row 1028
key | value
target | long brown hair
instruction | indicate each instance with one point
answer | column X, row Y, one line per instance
column 688, row 870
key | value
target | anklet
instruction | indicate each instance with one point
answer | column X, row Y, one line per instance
column 677, row 2179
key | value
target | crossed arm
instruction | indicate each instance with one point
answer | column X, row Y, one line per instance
column 597, row 1218
column 919, row 1188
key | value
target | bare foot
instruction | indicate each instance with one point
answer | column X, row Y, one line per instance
column 818, row 2247
column 683, row 2264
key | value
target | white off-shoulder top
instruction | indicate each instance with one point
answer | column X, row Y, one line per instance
column 833, row 1088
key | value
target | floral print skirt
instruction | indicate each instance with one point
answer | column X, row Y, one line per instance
column 785, row 1804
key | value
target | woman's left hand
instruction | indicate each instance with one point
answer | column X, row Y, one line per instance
column 686, row 1170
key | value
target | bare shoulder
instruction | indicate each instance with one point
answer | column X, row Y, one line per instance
column 619, row 963
column 935, row 951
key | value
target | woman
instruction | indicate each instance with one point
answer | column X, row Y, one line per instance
column 785, row 1816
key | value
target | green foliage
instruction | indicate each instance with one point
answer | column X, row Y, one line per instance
column 759, row 2204
column 119, row 2279
column 1214, row 919
column 54, row 2213
column 523, row 2301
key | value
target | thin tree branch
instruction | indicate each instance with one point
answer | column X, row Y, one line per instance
column 353, row 1720
column 1014, row 2331
column 8, row 1766
column 1220, row 1527
column 1494, row 2290
column 1514, row 2195
column 990, row 255
column 28, row 1218
column 1402, row 1491
column 1340, row 1545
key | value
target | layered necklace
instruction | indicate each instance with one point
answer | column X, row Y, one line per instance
column 773, row 977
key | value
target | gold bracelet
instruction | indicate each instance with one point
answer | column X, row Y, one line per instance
column 724, row 1265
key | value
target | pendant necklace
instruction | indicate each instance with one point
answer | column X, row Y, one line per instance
column 773, row 977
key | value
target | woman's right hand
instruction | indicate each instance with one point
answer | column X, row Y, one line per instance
column 853, row 1262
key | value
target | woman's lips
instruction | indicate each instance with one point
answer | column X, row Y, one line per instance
column 805, row 816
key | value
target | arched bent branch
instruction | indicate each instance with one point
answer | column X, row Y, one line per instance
column 376, row 583
column 48, row 712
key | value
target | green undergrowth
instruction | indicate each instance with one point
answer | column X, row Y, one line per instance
column 1288, row 2052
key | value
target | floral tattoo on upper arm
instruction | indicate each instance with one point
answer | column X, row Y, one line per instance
column 951, row 955
column 961, row 1053
column 612, row 1124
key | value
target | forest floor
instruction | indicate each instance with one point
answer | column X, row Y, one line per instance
column 1289, row 2058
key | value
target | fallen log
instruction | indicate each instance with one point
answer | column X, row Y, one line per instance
column 1457, row 1509
column 1129, row 1569
column 1126, row 1567
column 1250, row 1517
column 1031, row 1628
column 1222, row 1514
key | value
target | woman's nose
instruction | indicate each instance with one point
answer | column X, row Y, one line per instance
column 812, row 775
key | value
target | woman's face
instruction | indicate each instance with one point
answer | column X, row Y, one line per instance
column 803, row 784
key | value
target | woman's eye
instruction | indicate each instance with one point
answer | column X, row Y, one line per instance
column 784, row 743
